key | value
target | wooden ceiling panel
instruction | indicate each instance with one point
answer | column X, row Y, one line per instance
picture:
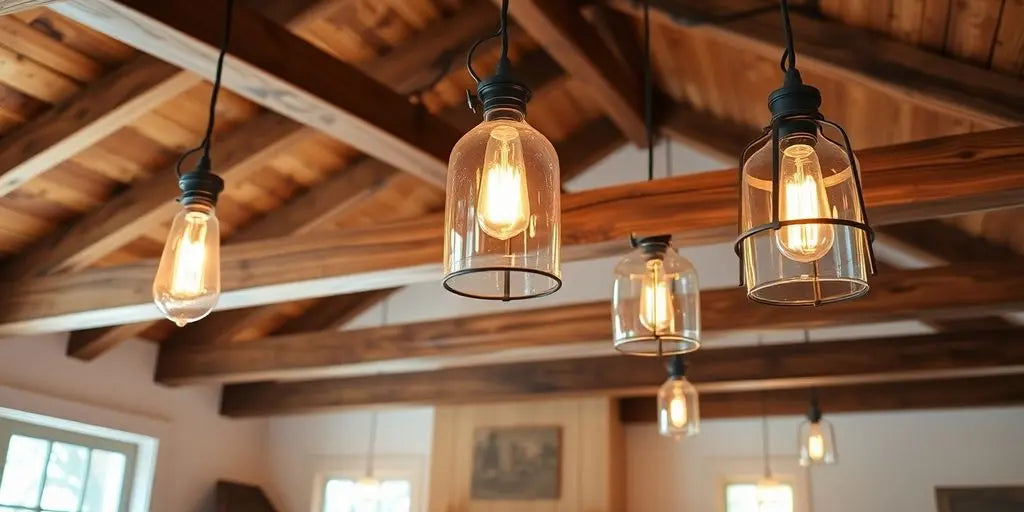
column 1008, row 51
column 76, row 36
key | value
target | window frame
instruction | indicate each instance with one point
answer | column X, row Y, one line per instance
column 10, row 428
column 386, row 467
column 746, row 481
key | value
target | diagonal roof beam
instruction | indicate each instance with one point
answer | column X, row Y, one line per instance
column 282, row 72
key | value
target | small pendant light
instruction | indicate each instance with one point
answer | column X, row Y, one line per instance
column 368, row 487
column 816, row 437
column 502, row 211
column 187, row 283
column 805, row 238
column 655, row 295
column 770, row 494
column 678, row 403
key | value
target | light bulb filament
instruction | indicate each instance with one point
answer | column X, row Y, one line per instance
column 503, row 206
column 656, row 300
column 677, row 411
column 802, row 197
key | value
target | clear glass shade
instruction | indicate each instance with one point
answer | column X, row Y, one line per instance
column 655, row 303
column 678, row 409
column 795, row 262
column 502, row 211
column 187, row 283
column 817, row 443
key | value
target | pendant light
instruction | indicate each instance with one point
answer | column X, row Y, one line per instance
column 678, row 403
column 502, row 211
column 805, row 238
column 816, row 437
column 770, row 494
column 368, row 487
column 187, row 282
column 655, row 295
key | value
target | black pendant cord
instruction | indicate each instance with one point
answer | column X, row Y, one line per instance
column 205, row 145
column 789, row 55
column 502, row 33
column 648, row 92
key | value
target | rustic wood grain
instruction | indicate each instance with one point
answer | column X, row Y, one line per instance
column 711, row 370
column 948, row 176
column 560, row 29
column 994, row 391
column 947, row 292
column 277, row 69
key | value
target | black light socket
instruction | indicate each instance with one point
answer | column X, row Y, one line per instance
column 795, row 99
column 653, row 246
column 201, row 186
column 814, row 412
column 503, row 90
column 676, row 367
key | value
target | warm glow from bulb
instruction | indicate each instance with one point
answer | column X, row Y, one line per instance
column 368, row 488
column 802, row 196
column 503, row 205
column 816, row 443
column 656, row 305
column 677, row 411
column 187, row 284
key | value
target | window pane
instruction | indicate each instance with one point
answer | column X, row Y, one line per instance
column 23, row 474
column 746, row 497
column 106, row 478
column 65, row 476
column 341, row 495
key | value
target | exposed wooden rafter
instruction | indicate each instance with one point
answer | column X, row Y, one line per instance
column 947, row 176
column 711, row 370
column 946, row 292
column 560, row 28
column 279, row 70
column 993, row 391
column 903, row 71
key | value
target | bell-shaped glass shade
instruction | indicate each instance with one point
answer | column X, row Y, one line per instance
column 817, row 443
column 655, row 303
column 502, row 211
column 798, row 261
column 678, row 409
column 187, row 283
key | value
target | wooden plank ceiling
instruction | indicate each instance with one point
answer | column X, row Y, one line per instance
column 333, row 141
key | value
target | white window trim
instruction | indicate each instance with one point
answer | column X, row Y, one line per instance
column 385, row 467
column 91, row 420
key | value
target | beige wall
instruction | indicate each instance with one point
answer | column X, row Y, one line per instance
column 197, row 446
column 591, row 454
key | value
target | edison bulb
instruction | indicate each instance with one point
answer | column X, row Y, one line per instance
column 187, row 283
column 678, row 414
column 802, row 196
column 503, row 204
column 656, row 305
column 816, row 443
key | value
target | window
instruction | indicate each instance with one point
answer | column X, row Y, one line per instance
column 45, row 469
column 748, row 497
column 347, row 495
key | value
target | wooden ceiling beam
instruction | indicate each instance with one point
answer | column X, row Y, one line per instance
column 577, row 46
column 946, row 292
column 711, row 370
column 98, row 110
column 901, row 70
column 282, row 72
column 989, row 391
column 947, row 176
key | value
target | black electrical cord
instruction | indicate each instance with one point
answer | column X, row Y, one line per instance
column 502, row 32
column 648, row 92
column 207, row 142
column 789, row 55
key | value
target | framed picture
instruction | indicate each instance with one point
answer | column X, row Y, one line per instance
column 980, row 499
column 516, row 463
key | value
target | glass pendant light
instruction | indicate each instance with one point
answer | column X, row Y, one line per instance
column 770, row 494
column 678, row 403
column 502, row 211
column 805, row 238
column 816, row 437
column 655, row 295
column 187, row 282
column 368, row 487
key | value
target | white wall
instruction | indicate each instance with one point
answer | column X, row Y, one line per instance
column 197, row 446
column 300, row 446
column 887, row 461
